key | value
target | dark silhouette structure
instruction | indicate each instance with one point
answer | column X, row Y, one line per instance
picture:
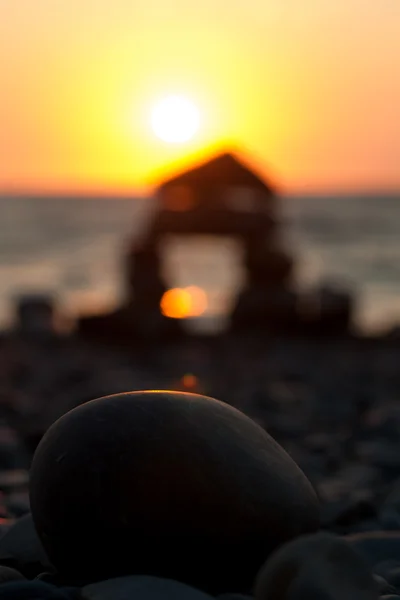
column 221, row 197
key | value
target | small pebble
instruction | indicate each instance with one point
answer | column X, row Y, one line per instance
column 141, row 587
column 21, row 548
column 393, row 577
column 376, row 546
column 385, row 568
column 383, row 586
column 312, row 566
column 34, row 590
column 8, row 574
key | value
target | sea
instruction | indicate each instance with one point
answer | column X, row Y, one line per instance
column 73, row 248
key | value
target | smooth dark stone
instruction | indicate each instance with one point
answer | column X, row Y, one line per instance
column 34, row 590
column 376, row 546
column 9, row 574
column 383, row 585
column 169, row 476
column 18, row 504
column 389, row 514
column 21, row 548
column 393, row 577
column 390, row 597
column 316, row 566
column 143, row 588
column 385, row 568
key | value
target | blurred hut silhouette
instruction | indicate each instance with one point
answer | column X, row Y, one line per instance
column 221, row 197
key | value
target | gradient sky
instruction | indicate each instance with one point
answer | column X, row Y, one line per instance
column 309, row 88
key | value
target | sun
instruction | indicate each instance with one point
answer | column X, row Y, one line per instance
column 175, row 119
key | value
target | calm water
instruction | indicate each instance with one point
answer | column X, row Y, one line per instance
column 72, row 247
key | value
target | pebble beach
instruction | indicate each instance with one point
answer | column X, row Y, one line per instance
column 332, row 406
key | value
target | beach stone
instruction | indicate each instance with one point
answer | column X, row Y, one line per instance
column 384, row 586
column 18, row 504
column 21, row 548
column 389, row 514
column 393, row 577
column 385, row 568
column 376, row 546
column 171, row 476
column 34, row 590
column 8, row 574
column 46, row 576
column 316, row 566
column 145, row 588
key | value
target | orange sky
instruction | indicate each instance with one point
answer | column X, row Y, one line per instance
column 311, row 88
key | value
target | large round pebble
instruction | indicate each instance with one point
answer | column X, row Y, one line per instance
column 168, row 484
column 316, row 566
column 145, row 588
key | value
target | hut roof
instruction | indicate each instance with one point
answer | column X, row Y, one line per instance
column 224, row 169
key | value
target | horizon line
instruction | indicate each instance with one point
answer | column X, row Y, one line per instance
column 144, row 193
